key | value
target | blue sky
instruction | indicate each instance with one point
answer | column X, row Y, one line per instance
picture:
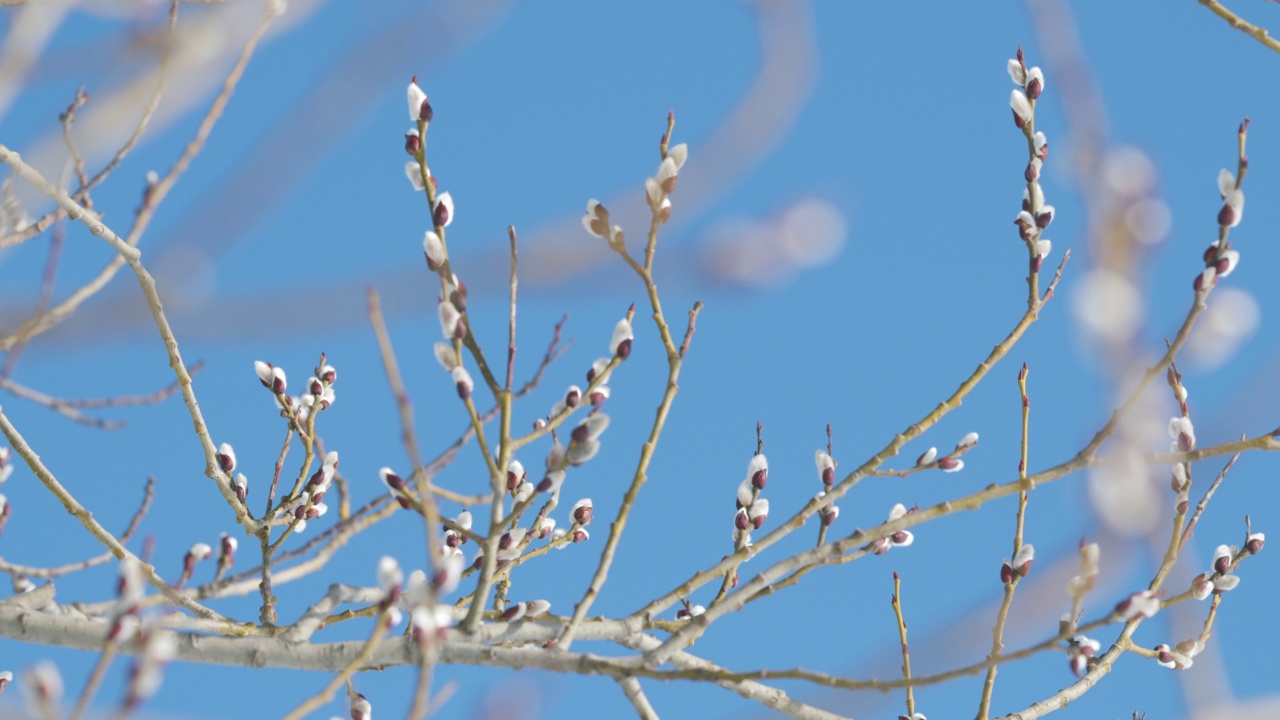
column 881, row 131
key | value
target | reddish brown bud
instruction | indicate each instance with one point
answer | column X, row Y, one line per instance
column 1034, row 88
column 1255, row 543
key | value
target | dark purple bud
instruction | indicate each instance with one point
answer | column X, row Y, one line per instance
column 829, row 515
column 1255, row 543
column 1034, row 88
column 947, row 462
column 1222, row 564
column 624, row 349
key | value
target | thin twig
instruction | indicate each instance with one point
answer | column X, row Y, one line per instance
column 845, row 485
column 95, row 679
column 82, row 193
column 1204, row 501
column 675, row 360
column 68, row 408
column 1257, row 33
column 95, row 528
column 430, row 514
column 902, row 639
column 154, row 197
column 148, row 493
column 326, row 693
column 511, row 331
column 1015, row 574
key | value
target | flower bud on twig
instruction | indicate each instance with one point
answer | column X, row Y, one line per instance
column 620, row 343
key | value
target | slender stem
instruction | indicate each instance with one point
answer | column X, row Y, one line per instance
column 511, row 333
column 1257, row 33
column 95, row 528
column 153, row 199
column 1010, row 587
column 902, row 639
column 430, row 513
column 133, row 257
column 95, row 679
column 674, row 363
column 326, row 693
column 845, row 485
